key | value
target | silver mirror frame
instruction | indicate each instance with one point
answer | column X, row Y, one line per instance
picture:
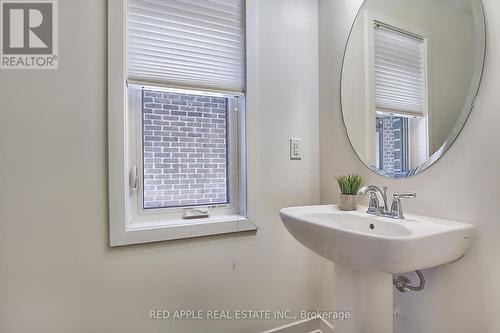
column 461, row 121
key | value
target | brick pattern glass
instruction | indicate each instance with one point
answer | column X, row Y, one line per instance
column 185, row 149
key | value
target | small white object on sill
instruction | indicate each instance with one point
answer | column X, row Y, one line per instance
column 195, row 213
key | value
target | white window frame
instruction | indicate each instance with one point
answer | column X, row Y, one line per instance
column 128, row 224
column 236, row 117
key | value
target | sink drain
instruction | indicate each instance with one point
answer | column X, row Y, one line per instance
column 372, row 226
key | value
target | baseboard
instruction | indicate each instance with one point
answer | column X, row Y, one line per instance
column 315, row 325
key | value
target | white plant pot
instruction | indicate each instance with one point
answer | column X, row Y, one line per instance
column 348, row 202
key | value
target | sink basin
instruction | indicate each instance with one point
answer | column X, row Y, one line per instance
column 365, row 242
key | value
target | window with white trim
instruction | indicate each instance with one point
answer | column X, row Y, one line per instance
column 184, row 120
column 400, row 91
column 185, row 152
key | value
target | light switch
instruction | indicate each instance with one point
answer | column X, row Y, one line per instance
column 295, row 149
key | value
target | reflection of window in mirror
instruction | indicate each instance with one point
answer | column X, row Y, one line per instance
column 392, row 144
column 401, row 111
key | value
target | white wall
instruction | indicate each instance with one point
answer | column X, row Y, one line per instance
column 462, row 297
column 57, row 273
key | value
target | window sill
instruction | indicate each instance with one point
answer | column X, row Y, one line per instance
column 148, row 232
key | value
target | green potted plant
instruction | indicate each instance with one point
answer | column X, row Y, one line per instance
column 349, row 186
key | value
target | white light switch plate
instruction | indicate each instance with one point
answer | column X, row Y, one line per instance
column 295, row 149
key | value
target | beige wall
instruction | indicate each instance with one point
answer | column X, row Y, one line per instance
column 57, row 273
column 464, row 296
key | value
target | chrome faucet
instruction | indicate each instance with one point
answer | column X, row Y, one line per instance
column 374, row 206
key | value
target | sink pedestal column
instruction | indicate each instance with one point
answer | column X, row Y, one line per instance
column 368, row 296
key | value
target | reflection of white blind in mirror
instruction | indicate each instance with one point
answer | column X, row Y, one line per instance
column 400, row 85
column 187, row 43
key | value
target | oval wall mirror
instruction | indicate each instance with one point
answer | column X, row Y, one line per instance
column 410, row 76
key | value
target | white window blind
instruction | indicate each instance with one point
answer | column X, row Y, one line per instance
column 187, row 43
column 400, row 78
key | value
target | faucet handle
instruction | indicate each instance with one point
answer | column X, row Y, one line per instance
column 406, row 195
column 397, row 207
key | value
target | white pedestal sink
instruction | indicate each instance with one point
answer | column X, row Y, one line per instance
column 366, row 242
column 369, row 250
